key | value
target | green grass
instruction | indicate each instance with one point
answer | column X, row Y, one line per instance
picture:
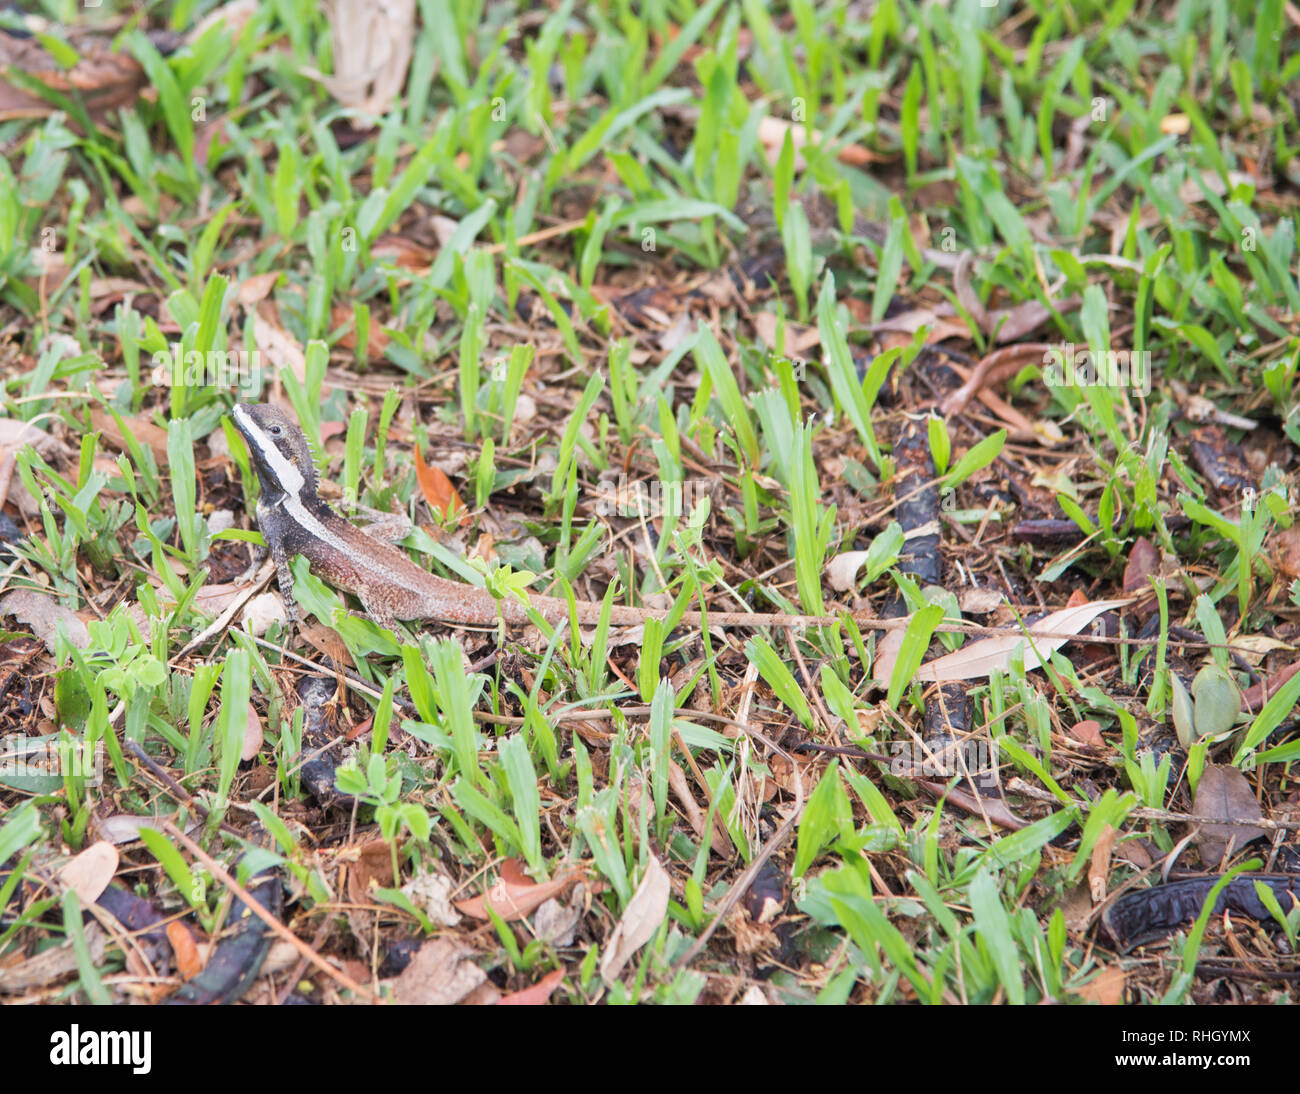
column 519, row 363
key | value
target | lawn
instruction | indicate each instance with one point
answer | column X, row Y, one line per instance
column 965, row 333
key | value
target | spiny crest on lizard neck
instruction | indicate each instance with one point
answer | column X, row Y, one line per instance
column 282, row 455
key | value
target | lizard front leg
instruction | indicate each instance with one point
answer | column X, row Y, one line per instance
column 273, row 531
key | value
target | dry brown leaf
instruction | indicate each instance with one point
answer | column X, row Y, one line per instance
column 842, row 570
column 537, row 995
column 279, row 346
column 253, row 735
column 515, row 895
column 887, row 651
column 188, row 962
column 1089, row 732
column 50, row 966
column 125, row 827
column 441, row 973
column 256, row 288
column 89, row 873
column 327, row 640
column 144, row 431
column 376, row 340
column 373, row 862
column 645, row 911
column 438, row 490
column 772, row 131
column 372, row 40
column 1106, row 988
column 1143, row 561
column 977, row 659
column 43, row 614
column 1224, row 792
column 1099, row 865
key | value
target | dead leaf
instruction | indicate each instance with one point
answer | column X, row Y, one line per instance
column 977, row 659
column 1106, row 988
column 1099, row 865
column 1143, row 562
column 645, row 911
column 327, row 640
column 253, row 735
column 372, row 41
column 43, row 614
column 537, row 995
column 373, row 862
column 253, row 290
column 772, row 131
column 1224, row 792
column 277, row 344
column 432, row 894
column 438, row 491
column 89, row 873
column 376, row 339
column 515, row 895
column 978, row 601
column 842, row 570
column 441, row 973
column 50, row 966
column 188, row 962
column 144, row 431
column 125, row 827
column 1089, row 732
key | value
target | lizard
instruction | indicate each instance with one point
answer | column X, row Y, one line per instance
column 294, row 519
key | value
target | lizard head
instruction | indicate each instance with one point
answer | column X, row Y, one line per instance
column 281, row 454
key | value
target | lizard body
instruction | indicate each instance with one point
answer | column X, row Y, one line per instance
column 294, row 520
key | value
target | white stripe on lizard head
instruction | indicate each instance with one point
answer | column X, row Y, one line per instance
column 286, row 473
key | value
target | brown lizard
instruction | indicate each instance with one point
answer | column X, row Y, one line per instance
column 295, row 520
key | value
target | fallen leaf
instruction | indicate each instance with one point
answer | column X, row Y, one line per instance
column 373, row 862
column 514, row 895
column 438, row 490
column 645, row 911
column 978, row 601
column 432, row 894
column 43, row 614
column 1224, row 792
column 372, row 40
column 537, row 995
column 771, row 135
column 125, row 827
column 188, row 962
column 253, row 290
column 151, row 436
column 89, row 873
column 1099, row 865
column 977, row 659
column 253, row 735
column 1089, row 732
column 277, row 344
column 441, row 973
column 1106, row 988
column 1143, row 562
column 50, row 966
column 842, row 570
